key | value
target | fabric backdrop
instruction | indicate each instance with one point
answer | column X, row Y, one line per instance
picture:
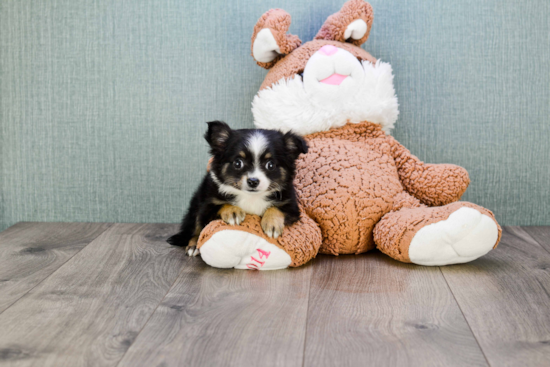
column 103, row 103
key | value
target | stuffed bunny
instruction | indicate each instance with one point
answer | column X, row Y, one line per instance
column 358, row 187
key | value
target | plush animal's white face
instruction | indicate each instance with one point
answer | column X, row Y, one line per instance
column 332, row 66
column 334, row 89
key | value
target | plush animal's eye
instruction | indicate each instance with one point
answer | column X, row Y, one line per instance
column 238, row 163
column 269, row 166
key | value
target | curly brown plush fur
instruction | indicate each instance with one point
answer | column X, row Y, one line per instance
column 354, row 176
column 336, row 24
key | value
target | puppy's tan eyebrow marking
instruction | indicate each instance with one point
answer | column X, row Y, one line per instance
column 242, row 154
column 268, row 155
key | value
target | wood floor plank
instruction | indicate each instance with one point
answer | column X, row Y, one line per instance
column 217, row 317
column 370, row 310
column 92, row 308
column 30, row 252
column 540, row 234
column 505, row 296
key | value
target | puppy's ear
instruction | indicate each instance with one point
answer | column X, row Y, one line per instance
column 217, row 135
column 295, row 144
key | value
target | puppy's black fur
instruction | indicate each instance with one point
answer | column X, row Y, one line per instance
column 229, row 181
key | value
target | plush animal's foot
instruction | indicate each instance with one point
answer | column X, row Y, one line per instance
column 232, row 215
column 248, row 247
column 273, row 222
column 451, row 234
column 243, row 250
column 466, row 235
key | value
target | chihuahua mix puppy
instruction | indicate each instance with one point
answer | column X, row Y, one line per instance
column 251, row 171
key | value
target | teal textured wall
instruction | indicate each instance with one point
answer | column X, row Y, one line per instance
column 103, row 103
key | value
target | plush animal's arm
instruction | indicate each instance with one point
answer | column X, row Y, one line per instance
column 432, row 184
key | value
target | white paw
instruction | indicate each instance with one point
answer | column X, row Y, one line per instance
column 243, row 250
column 464, row 236
column 192, row 251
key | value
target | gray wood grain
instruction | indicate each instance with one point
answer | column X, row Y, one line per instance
column 91, row 309
column 216, row 317
column 540, row 234
column 30, row 252
column 505, row 296
column 126, row 298
column 370, row 310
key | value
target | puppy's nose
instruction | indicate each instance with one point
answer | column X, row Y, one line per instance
column 253, row 182
column 328, row 50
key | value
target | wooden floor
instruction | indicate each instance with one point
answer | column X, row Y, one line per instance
column 76, row 294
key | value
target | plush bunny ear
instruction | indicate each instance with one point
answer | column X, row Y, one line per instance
column 351, row 24
column 270, row 41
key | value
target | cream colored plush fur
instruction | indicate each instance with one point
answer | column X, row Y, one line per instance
column 307, row 106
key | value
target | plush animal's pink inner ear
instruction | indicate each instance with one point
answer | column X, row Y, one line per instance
column 270, row 40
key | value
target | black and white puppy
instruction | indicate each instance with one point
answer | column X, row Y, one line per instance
column 251, row 171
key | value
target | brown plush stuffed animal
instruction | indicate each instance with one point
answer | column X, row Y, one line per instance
column 358, row 187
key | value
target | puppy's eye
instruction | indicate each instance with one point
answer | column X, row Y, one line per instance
column 238, row 163
column 270, row 166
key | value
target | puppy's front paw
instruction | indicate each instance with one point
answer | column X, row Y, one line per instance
column 273, row 222
column 191, row 249
column 231, row 214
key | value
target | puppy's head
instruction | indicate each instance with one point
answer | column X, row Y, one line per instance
column 255, row 161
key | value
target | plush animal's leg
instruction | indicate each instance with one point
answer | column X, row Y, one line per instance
column 248, row 247
column 455, row 233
